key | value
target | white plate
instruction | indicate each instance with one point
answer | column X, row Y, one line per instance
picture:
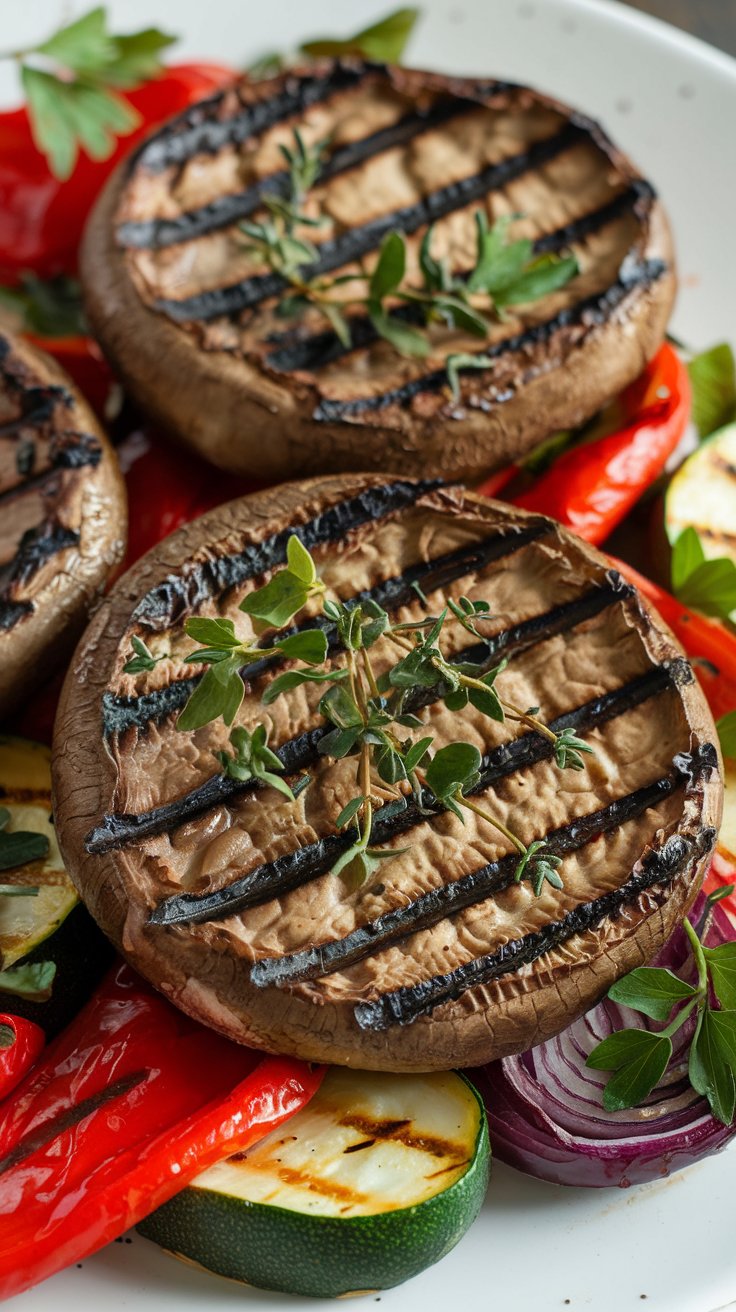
column 671, row 102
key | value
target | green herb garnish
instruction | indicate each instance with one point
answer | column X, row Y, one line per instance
column 705, row 585
column 384, row 41
column 639, row 1058
column 367, row 717
column 19, row 848
column 72, row 80
column 713, row 381
column 50, row 308
column 726, row 727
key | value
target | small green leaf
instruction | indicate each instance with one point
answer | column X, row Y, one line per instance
column 651, row 990
column 459, row 315
column 384, row 40
column 390, row 267
column 278, row 601
column 687, row 556
column 726, row 727
column 488, row 703
column 295, row 678
column 349, row 812
column 33, row 981
column 404, row 339
column 212, row 632
column 568, row 749
column 338, row 706
column 546, row 274
column 339, row 323
column 85, row 46
column 219, row 694
column 50, row 307
column 714, row 1062
column 309, row 646
column 633, row 1082
column 416, row 753
column 722, row 968
column 21, row 847
column 620, row 1049
column 338, row 743
column 713, row 381
column 452, row 768
column 299, row 560
column 461, row 361
column 137, row 57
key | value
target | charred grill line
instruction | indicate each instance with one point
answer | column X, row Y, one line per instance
column 356, row 242
column 300, row 752
column 438, row 903
column 156, row 234
column 390, row 594
column 36, row 546
column 274, row 878
column 319, row 349
column 178, row 594
column 37, row 404
column 198, row 132
column 79, row 450
column 590, row 311
column 12, row 612
column 661, row 865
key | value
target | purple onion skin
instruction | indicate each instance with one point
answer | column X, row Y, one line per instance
column 545, row 1110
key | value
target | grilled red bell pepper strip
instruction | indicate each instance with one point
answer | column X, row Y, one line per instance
column 130, row 1103
column 591, row 488
column 19, row 1050
column 709, row 645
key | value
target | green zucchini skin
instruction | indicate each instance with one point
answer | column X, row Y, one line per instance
column 82, row 955
column 320, row 1256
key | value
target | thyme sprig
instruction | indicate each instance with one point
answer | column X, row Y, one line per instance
column 506, row 272
column 367, row 715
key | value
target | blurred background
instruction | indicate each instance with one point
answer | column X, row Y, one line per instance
column 712, row 20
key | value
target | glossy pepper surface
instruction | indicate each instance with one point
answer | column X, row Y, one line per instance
column 592, row 487
column 19, row 1050
column 129, row 1104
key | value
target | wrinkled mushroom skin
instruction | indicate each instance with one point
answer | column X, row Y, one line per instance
column 63, row 517
column 222, row 384
column 205, row 968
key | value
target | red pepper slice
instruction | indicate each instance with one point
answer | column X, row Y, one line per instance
column 711, row 647
column 132, row 1101
column 21, row 1054
column 591, row 488
column 42, row 218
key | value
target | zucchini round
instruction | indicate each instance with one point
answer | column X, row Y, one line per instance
column 54, row 926
column 702, row 495
column 375, row 1180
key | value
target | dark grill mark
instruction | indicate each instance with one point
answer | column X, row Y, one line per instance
column 300, row 752
column 179, row 594
column 589, row 312
column 359, row 241
column 430, row 908
column 37, row 404
column 659, row 866
column 68, row 451
column 36, row 547
column 199, row 132
column 156, row 234
column 319, row 349
column 275, row 878
column 57, row 1125
column 392, row 593
column 12, row 612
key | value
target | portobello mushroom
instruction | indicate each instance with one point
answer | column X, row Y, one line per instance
column 63, row 516
column 194, row 322
column 221, row 893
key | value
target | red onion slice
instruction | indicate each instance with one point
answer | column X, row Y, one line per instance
column 545, row 1107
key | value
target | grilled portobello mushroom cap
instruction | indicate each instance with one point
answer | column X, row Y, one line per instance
column 191, row 320
column 221, row 894
column 63, row 516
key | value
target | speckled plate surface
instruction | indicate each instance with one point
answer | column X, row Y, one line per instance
column 671, row 103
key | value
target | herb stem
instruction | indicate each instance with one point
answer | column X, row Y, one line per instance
column 682, row 1016
column 375, row 691
column 497, row 824
column 698, row 955
column 517, row 713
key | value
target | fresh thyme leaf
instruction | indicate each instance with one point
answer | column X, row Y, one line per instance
column 460, row 361
column 713, row 382
column 539, row 867
column 404, row 339
column 309, row 646
column 212, row 632
column 498, row 263
column 390, row 267
column 546, row 274
column 295, row 678
column 726, row 727
column 299, row 560
column 457, row 314
column 435, row 272
column 705, row 585
column 349, row 812
column 21, row 847
column 453, row 769
column 278, row 601
column 651, row 990
column 384, row 40
column 568, row 749
column 218, row 695
column 251, row 758
column 143, row 659
column 32, row 981
column 51, row 308
column 339, row 323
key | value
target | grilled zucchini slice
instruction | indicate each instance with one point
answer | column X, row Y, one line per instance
column 53, row 926
column 376, row 1179
column 702, row 494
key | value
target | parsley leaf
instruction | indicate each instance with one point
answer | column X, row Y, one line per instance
column 713, row 381
column 384, row 40
column 705, row 585
column 651, row 990
column 639, row 1058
